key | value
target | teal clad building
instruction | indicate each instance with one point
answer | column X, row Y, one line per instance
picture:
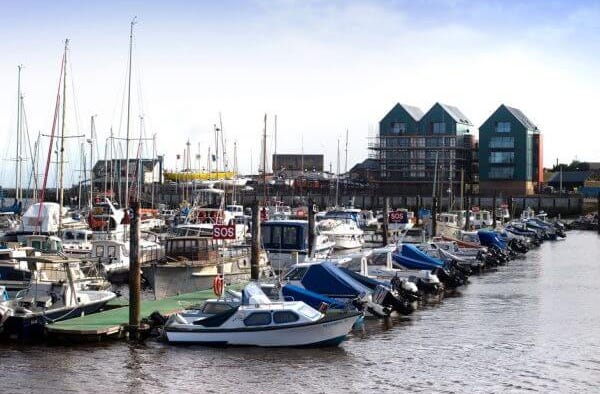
column 510, row 154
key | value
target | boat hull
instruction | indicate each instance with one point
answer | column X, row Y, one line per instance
column 325, row 332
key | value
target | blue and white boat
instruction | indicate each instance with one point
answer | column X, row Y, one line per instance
column 258, row 321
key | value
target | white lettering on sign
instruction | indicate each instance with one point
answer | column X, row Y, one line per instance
column 396, row 217
column 221, row 231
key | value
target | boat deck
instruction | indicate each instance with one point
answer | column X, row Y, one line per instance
column 112, row 322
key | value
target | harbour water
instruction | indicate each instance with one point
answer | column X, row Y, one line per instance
column 534, row 325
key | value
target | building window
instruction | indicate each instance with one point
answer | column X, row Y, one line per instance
column 502, row 157
column 503, row 127
column 502, row 172
column 439, row 127
column 502, row 142
column 398, row 127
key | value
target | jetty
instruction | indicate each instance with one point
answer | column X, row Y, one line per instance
column 112, row 323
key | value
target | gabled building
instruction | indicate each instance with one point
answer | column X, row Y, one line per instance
column 510, row 154
column 414, row 148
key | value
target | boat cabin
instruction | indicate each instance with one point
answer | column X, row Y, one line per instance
column 449, row 219
column 106, row 250
column 285, row 235
column 44, row 243
column 192, row 248
column 235, row 210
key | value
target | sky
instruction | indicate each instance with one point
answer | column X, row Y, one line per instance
column 323, row 67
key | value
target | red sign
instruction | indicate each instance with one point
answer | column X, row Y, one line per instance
column 222, row 231
column 397, row 217
column 474, row 209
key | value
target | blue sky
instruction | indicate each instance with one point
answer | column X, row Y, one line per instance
column 321, row 66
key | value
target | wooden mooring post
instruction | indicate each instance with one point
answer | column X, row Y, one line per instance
column 311, row 227
column 134, row 270
column 434, row 208
column 255, row 248
column 386, row 219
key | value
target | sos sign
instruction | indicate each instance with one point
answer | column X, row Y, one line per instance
column 222, row 231
column 398, row 217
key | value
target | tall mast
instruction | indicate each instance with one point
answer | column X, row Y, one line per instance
column 337, row 178
column 91, row 142
column 128, row 113
column 62, row 136
column 346, row 159
column 275, row 138
column 265, row 162
column 217, row 150
column 18, row 156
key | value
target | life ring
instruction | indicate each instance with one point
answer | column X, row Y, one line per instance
column 218, row 285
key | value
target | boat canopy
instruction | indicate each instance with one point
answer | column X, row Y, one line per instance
column 490, row 238
column 327, row 279
column 297, row 293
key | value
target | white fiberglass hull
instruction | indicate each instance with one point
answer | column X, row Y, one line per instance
column 328, row 332
column 348, row 241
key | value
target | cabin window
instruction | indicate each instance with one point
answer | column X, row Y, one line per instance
column 213, row 308
column 80, row 236
column 99, row 250
column 36, row 245
column 297, row 273
column 258, row 319
column 69, row 235
column 265, row 233
column 290, row 237
column 112, row 251
column 284, row 317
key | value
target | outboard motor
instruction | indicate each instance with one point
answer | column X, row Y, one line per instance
column 385, row 297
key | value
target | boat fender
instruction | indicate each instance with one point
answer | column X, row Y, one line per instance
column 218, row 285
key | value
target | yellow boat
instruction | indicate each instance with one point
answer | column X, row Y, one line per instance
column 198, row 176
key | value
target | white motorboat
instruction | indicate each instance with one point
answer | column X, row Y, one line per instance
column 344, row 232
column 258, row 321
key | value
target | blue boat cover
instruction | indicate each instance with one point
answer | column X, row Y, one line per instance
column 489, row 238
column 309, row 297
column 411, row 257
column 327, row 279
column 369, row 282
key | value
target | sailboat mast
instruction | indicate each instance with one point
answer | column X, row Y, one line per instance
column 337, row 178
column 265, row 162
column 18, row 156
column 91, row 142
column 62, row 136
column 128, row 113
column 346, row 159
